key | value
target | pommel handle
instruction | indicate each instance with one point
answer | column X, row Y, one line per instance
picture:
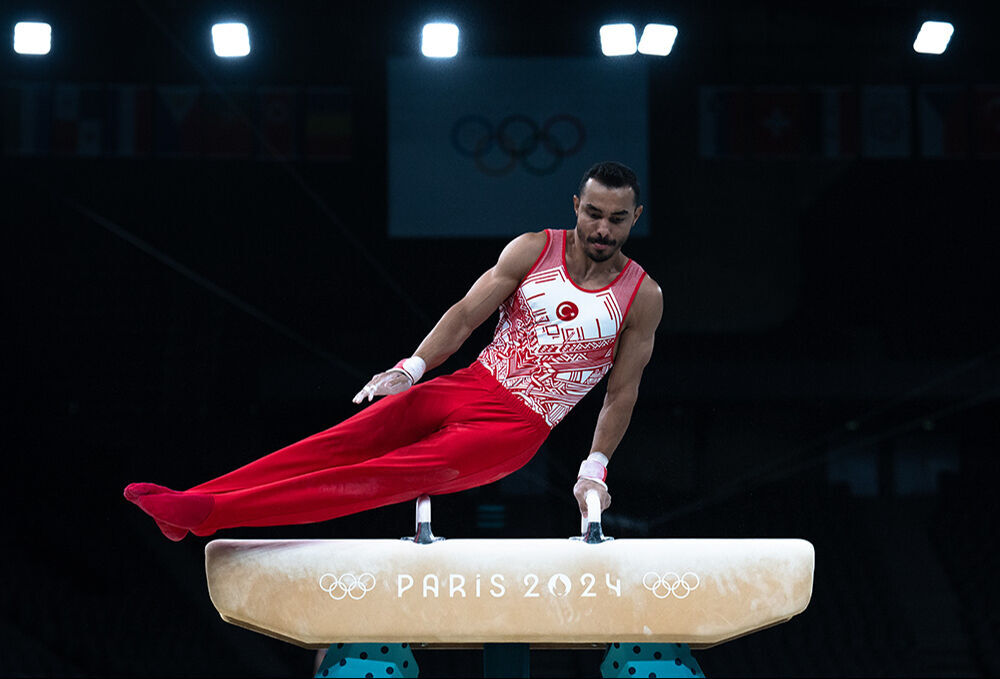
column 593, row 506
column 423, row 510
column 590, row 526
column 424, row 535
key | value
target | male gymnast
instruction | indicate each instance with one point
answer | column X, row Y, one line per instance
column 573, row 308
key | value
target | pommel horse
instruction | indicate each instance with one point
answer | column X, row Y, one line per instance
column 649, row 601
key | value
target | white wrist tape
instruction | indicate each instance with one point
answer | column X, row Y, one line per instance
column 599, row 457
column 413, row 366
column 594, row 468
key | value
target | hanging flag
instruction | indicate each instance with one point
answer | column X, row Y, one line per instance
column 944, row 121
column 832, row 121
column 27, row 120
column 79, row 114
column 776, row 122
column 177, row 120
column 226, row 130
column 886, row 121
column 722, row 121
column 277, row 113
column 130, row 121
column 65, row 111
column 327, row 124
column 987, row 121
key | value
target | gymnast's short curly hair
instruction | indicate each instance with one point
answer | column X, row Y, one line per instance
column 613, row 175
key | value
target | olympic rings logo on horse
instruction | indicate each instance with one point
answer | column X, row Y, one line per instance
column 539, row 148
column 347, row 585
column 669, row 583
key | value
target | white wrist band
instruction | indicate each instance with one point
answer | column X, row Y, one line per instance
column 599, row 457
column 414, row 368
column 594, row 468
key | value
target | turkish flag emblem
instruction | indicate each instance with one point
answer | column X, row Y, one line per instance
column 567, row 311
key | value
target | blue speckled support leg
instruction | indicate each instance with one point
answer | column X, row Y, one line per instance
column 650, row 660
column 368, row 660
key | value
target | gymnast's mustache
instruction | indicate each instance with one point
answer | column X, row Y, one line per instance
column 600, row 241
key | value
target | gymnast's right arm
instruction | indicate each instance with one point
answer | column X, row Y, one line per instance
column 455, row 326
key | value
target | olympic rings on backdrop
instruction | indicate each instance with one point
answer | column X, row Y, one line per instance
column 538, row 148
column 669, row 583
column 348, row 584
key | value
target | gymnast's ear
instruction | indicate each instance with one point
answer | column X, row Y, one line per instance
column 636, row 213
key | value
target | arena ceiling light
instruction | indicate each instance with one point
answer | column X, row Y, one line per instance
column 618, row 40
column 933, row 37
column 231, row 39
column 439, row 40
column 657, row 39
column 32, row 37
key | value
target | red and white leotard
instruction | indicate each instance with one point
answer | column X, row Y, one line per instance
column 555, row 340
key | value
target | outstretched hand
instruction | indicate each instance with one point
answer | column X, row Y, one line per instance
column 389, row 382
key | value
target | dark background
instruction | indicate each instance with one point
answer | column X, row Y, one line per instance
column 856, row 406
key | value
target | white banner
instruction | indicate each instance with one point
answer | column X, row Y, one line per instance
column 497, row 147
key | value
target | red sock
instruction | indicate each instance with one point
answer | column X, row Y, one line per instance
column 173, row 533
column 183, row 510
column 134, row 491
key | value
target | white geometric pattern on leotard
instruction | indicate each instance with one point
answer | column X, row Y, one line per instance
column 551, row 362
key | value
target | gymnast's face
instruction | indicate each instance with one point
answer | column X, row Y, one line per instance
column 604, row 217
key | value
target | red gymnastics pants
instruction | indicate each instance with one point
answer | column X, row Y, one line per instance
column 451, row 433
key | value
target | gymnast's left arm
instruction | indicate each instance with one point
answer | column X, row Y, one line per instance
column 635, row 347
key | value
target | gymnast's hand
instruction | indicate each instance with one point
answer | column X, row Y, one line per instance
column 389, row 382
column 580, row 492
